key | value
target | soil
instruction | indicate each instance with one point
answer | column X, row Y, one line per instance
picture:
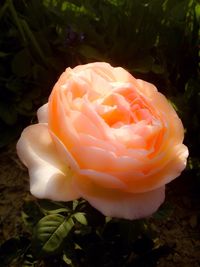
column 180, row 232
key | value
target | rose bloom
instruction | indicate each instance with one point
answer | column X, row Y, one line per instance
column 106, row 137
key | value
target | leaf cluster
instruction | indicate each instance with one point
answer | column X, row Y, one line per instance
column 74, row 234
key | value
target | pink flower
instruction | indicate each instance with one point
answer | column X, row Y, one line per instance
column 107, row 137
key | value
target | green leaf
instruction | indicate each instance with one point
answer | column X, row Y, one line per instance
column 50, row 233
column 52, row 207
column 81, row 218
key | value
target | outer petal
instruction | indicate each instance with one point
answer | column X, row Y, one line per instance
column 50, row 177
column 118, row 204
column 42, row 113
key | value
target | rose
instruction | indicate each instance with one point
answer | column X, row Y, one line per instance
column 107, row 137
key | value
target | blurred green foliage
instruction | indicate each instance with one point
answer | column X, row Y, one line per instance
column 157, row 40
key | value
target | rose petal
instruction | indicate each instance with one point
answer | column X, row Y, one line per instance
column 88, row 140
column 148, row 89
column 103, row 179
column 59, row 123
column 50, row 177
column 101, row 68
column 98, row 83
column 42, row 113
column 64, row 154
column 102, row 160
column 117, row 204
column 135, row 206
column 83, row 124
column 157, row 176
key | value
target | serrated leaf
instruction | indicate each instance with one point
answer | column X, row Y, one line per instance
column 81, row 218
column 50, row 233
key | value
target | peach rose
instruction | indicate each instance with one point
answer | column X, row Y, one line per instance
column 107, row 137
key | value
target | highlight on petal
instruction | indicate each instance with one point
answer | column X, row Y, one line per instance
column 50, row 176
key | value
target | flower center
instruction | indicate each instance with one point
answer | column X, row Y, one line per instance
column 124, row 107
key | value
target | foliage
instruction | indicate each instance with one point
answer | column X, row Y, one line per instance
column 75, row 234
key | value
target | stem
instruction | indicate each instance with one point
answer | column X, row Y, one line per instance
column 16, row 19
